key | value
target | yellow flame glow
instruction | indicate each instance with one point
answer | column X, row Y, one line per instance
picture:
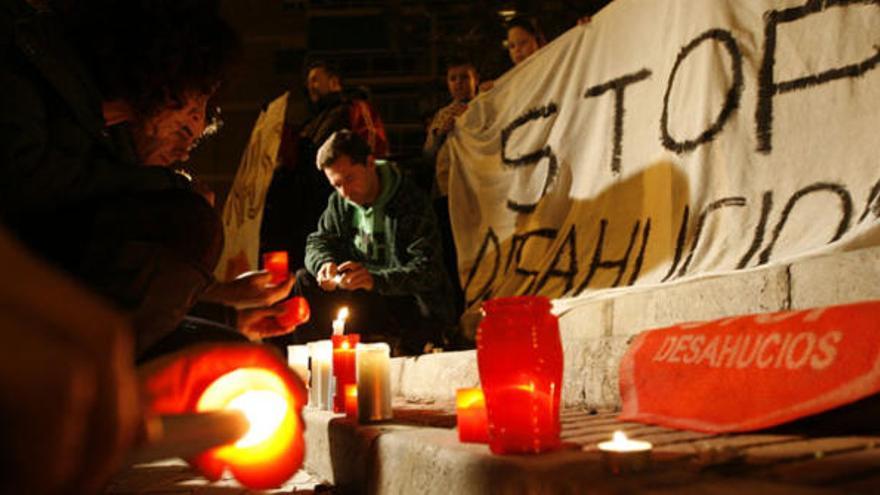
column 264, row 411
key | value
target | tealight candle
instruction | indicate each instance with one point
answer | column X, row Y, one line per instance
column 374, row 382
column 470, row 405
column 322, row 373
column 298, row 360
column 344, row 372
column 622, row 455
column 275, row 262
column 351, row 401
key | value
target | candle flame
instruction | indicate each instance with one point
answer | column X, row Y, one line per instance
column 343, row 314
column 265, row 412
column 619, row 437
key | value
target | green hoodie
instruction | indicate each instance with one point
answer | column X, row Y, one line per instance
column 396, row 239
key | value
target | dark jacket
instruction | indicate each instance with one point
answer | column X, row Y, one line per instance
column 73, row 192
column 415, row 257
column 299, row 191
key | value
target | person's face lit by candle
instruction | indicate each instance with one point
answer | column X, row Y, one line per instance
column 356, row 182
column 168, row 136
column 521, row 44
column 462, row 82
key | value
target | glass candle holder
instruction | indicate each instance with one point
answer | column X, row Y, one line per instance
column 374, row 382
column 351, row 401
column 470, row 415
column 275, row 262
column 519, row 354
column 344, row 371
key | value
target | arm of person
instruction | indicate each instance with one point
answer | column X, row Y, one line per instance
column 328, row 244
column 40, row 168
column 248, row 290
column 67, row 381
column 418, row 238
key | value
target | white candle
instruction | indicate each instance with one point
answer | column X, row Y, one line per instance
column 339, row 322
column 321, row 395
column 373, row 382
column 298, row 360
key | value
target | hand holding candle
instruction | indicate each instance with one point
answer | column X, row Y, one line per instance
column 250, row 379
column 275, row 262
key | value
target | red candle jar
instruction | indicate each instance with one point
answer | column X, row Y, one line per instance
column 344, row 371
column 470, row 415
column 351, row 401
column 296, row 312
column 275, row 262
column 519, row 354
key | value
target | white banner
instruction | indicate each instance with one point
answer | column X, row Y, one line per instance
column 243, row 210
column 668, row 140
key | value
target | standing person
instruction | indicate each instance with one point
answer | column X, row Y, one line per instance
column 71, row 188
column 376, row 250
column 462, row 80
column 524, row 38
column 278, row 194
column 298, row 191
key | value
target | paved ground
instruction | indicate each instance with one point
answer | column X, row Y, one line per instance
column 174, row 477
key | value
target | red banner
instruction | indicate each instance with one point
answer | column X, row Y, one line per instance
column 752, row 372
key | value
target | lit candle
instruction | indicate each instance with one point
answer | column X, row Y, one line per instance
column 298, row 360
column 374, row 382
column 344, row 372
column 296, row 312
column 622, row 455
column 321, row 353
column 339, row 322
column 351, row 401
column 470, row 415
column 272, row 449
column 275, row 262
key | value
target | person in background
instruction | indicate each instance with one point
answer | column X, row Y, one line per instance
column 298, row 192
column 462, row 80
column 524, row 38
column 376, row 250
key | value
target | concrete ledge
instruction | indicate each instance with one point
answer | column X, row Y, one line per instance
column 431, row 461
column 595, row 333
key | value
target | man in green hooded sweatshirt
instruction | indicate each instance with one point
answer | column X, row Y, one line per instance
column 377, row 251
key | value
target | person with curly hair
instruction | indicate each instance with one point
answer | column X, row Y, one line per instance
column 71, row 187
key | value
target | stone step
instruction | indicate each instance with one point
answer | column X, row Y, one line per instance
column 595, row 332
column 418, row 452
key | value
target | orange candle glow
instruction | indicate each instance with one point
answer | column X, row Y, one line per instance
column 471, row 415
column 344, row 371
column 275, row 262
column 272, row 449
column 351, row 401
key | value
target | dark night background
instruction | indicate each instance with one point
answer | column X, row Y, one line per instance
column 396, row 49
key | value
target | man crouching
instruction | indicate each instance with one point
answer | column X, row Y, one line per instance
column 377, row 250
